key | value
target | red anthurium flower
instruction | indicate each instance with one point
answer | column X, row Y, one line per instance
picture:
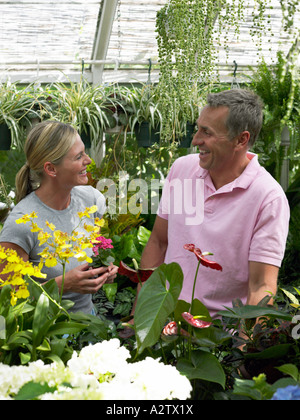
column 171, row 329
column 134, row 275
column 201, row 257
column 198, row 323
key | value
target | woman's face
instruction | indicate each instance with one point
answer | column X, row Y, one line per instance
column 72, row 170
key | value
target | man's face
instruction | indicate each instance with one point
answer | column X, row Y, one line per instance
column 216, row 149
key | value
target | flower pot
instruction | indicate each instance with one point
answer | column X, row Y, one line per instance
column 5, row 137
column 3, row 214
column 146, row 135
column 86, row 137
column 185, row 141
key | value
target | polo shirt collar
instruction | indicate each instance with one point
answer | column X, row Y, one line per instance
column 243, row 181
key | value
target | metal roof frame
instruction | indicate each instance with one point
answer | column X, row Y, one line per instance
column 109, row 51
column 102, row 38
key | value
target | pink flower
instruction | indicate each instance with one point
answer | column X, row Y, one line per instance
column 104, row 244
column 201, row 257
column 171, row 329
column 194, row 321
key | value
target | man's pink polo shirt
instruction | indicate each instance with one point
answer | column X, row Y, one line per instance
column 245, row 220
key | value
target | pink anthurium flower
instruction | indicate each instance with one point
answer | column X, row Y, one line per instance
column 194, row 321
column 171, row 329
column 201, row 257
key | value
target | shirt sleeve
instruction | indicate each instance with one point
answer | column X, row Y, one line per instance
column 270, row 233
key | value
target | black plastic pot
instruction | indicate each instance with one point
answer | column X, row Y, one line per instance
column 146, row 135
column 185, row 141
column 5, row 137
column 86, row 138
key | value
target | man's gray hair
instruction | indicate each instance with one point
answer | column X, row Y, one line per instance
column 245, row 111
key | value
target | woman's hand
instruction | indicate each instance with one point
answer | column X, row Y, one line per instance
column 86, row 280
column 113, row 270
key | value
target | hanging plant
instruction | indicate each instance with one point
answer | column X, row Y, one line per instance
column 279, row 88
column 188, row 35
column 186, row 55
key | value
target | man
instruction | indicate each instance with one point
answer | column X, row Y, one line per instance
column 245, row 211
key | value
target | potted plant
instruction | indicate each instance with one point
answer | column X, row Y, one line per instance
column 267, row 340
column 16, row 108
column 6, row 200
column 184, row 121
column 146, row 120
column 188, row 35
column 84, row 106
column 278, row 86
column 118, row 108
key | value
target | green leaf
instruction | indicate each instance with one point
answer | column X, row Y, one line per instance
column 156, row 302
column 110, row 291
column 292, row 298
column 54, row 358
column 290, row 370
column 199, row 309
column 143, row 235
column 247, row 389
column 32, row 390
column 204, row 366
column 40, row 318
column 25, row 358
column 211, row 337
column 251, row 311
column 182, row 306
column 274, row 352
column 62, row 328
column 45, row 346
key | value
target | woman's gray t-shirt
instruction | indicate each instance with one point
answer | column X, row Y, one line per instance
column 65, row 220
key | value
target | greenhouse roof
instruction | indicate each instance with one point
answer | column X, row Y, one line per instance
column 112, row 40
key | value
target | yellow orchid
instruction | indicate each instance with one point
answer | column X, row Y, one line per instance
column 35, row 228
column 51, row 226
column 22, row 292
column 90, row 228
column 82, row 256
column 61, row 246
column 51, row 261
column 99, row 222
column 26, row 218
column 87, row 212
column 14, row 298
column 15, row 269
column 43, row 237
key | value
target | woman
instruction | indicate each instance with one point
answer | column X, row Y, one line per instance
column 53, row 184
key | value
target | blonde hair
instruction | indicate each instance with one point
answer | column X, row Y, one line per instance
column 48, row 141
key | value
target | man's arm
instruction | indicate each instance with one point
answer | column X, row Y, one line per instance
column 262, row 280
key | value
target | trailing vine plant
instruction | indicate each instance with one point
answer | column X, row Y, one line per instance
column 188, row 35
column 278, row 86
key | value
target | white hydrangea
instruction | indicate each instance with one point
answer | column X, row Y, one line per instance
column 107, row 357
column 156, row 381
column 99, row 372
